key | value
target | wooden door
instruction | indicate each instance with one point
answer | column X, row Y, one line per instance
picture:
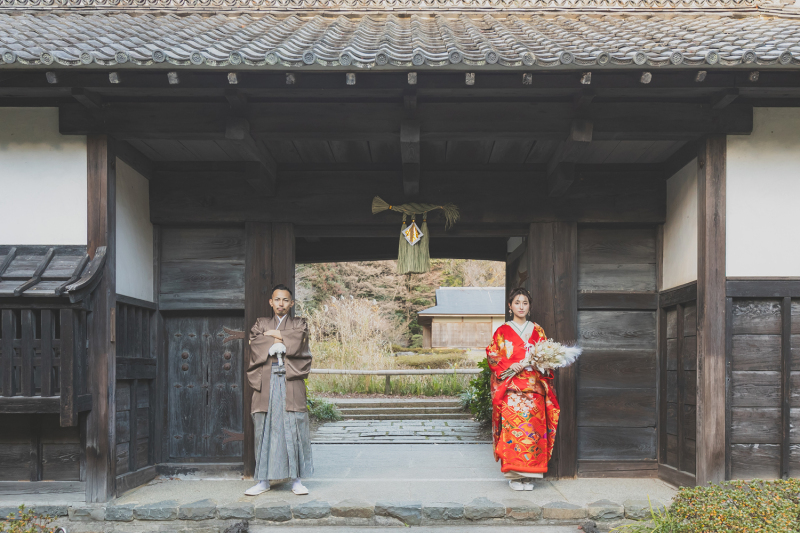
column 205, row 388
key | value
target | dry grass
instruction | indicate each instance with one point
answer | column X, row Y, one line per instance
column 353, row 334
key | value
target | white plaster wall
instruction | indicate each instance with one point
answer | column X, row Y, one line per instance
column 134, row 234
column 42, row 179
column 680, row 228
column 763, row 187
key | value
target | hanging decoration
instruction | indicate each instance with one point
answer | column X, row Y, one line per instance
column 413, row 255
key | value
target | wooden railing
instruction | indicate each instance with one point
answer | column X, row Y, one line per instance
column 390, row 373
column 43, row 361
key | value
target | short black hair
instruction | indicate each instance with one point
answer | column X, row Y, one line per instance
column 281, row 287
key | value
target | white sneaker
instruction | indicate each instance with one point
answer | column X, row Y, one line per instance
column 260, row 488
column 516, row 485
column 299, row 489
column 528, row 484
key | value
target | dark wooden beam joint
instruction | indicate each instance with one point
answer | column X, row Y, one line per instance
column 237, row 130
column 90, row 100
column 409, row 143
column 561, row 168
column 722, row 99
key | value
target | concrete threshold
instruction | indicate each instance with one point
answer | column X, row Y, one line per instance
column 373, row 486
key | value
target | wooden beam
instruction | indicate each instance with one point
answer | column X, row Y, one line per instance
column 410, row 153
column 617, row 300
column 378, row 120
column 711, row 310
column 90, row 100
column 135, row 159
column 724, row 98
column 553, row 282
column 680, row 159
column 101, row 233
column 262, row 177
column 786, row 385
column 560, row 178
column 315, row 199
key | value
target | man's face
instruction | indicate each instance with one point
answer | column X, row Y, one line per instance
column 281, row 302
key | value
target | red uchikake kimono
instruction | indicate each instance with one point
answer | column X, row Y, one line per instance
column 524, row 407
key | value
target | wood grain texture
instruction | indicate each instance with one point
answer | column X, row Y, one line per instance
column 617, row 469
column 756, row 389
column 617, row 300
column 617, row 246
column 749, row 461
column 675, row 477
column 100, row 436
column 615, row 444
column 756, row 316
column 617, row 408
column 711, row 355
column 629, row 330
column 61, row 462
column 751, row 425
column 608, row 277
column 202, row 285
column 616, row 368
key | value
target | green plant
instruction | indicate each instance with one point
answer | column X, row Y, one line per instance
column 26, row 521
column 322, row 409
column 754, row 506
column 435, row 360
column 416, row 341
column 477, row 397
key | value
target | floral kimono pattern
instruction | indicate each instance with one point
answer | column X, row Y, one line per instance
column 524, row 407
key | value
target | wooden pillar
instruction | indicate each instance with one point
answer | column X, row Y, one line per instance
column 711, row 310
column 553, row 282
column 269, row 260
column 101, row 231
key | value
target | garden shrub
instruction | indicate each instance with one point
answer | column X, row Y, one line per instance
column 435, row 360
column 477, row 396
column 737, row 506
column 322, row 409
column 26, row 521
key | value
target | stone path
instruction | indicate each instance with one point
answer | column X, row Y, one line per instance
column 399, row 432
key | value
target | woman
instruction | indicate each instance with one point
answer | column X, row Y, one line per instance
column 524, row 407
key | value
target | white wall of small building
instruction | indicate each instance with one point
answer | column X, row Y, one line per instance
column 134, row 234
column 42, row 179
column 763, row 187
column 680, row 228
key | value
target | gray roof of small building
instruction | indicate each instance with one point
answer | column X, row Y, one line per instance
column 413, row 40
column 48, row 271
column 468, row 301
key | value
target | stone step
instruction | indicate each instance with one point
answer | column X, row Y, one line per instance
column 347, row 403
column 406, row 416
column 399, row 411
column 210, row 515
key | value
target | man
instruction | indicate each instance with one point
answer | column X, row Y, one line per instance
column 279, row 362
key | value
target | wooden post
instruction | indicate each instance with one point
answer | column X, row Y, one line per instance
column 100, row 427
column 711, row 310
column 553, row 281
column 270, row 259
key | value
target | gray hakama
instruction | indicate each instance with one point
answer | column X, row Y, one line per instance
column 283, row 444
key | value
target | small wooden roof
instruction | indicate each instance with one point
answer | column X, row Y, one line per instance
column 458, row 301
column 521, row 39
column 49, row 271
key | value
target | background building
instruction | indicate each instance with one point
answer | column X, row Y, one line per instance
column 463, row 317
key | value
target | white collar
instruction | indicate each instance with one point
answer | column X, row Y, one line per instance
column 280, row 319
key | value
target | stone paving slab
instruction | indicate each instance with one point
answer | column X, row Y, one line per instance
column 399, row 432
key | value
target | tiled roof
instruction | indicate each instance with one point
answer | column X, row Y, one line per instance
column 468, row 301
column 376, row 5
column 414, row 41
column 47, row 271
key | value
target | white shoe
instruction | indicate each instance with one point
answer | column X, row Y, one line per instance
column 528, row 484
column 516, row 485
column 299, row 489
column 260, row 488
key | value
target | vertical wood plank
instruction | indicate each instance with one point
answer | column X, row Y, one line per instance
column 158, row 350
column 283, row 253
column 661, row 394
column 67, row 372
column 258, row 283
column 681, row 389
column 101, row 231
column 133, row 426
column 46, row 369
column 711, row 177
column 36, row 447
column 728, row 383
column 9, row 332
column 659, row 257
column 26, row 353
column 552, row 280
column 786, row 384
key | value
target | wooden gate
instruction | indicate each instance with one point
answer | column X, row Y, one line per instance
column 205, row 388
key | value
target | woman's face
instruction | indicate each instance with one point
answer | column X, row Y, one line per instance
column 520, row 306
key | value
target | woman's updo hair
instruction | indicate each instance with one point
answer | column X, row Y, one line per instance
column 516, row 292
